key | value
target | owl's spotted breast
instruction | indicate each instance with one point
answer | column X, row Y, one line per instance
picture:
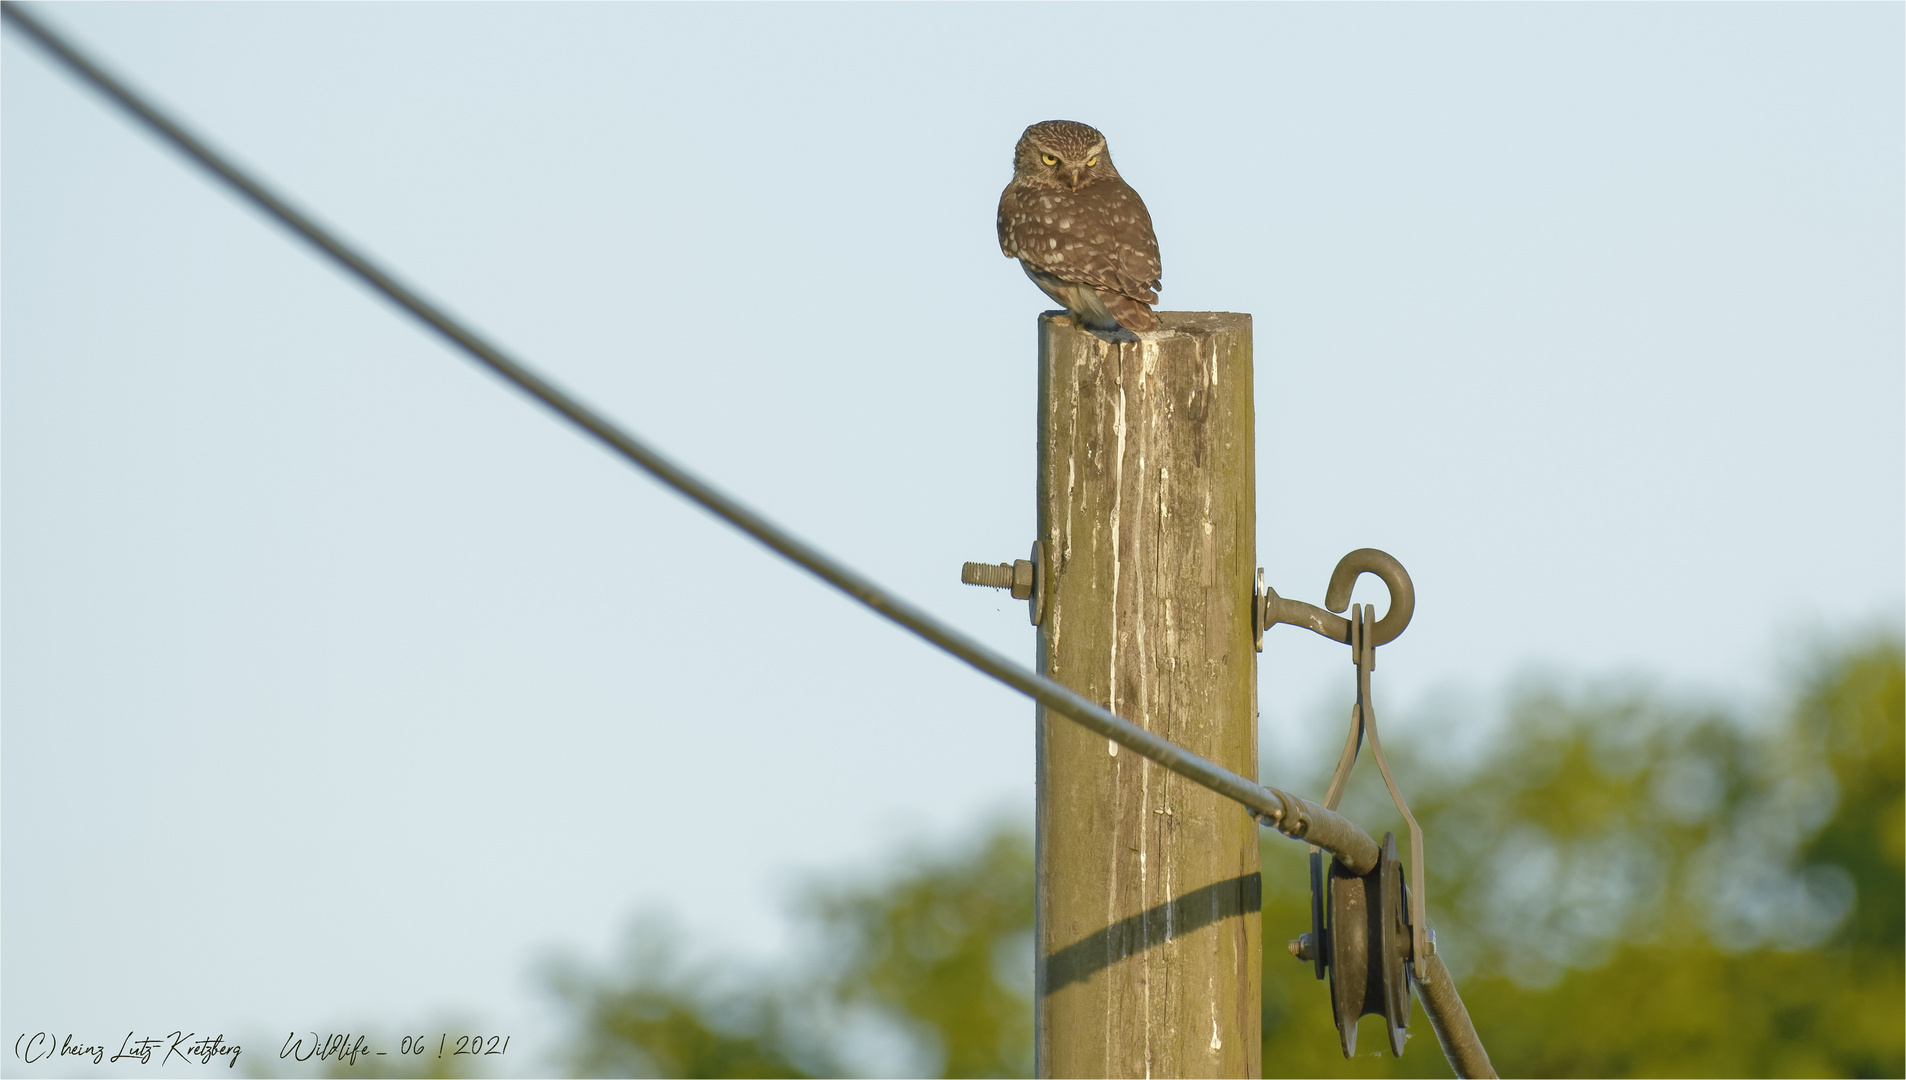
column 1101, row 236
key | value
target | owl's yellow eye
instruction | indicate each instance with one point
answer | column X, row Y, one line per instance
column 1048, row 159
column 1091, row 161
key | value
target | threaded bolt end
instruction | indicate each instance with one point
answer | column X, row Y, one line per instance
column 991, row 575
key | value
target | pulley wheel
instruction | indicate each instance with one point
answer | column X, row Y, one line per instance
column 1369, row 948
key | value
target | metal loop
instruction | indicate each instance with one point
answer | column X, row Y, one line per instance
column 1276, row 609
column 1394, row 578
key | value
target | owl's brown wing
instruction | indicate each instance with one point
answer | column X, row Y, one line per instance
column 1138, row 272
column 1101, row 235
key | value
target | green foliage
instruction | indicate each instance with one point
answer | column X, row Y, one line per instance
column 1625, row 887
column 1852, row 718
column 938, row 953
column 948, row 947
column 665, row 1018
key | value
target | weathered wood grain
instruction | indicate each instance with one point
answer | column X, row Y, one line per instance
column 1148, row 884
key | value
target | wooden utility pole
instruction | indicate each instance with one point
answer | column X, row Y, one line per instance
column 1148, row 887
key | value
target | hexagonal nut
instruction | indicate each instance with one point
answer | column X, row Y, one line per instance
column 1301, row 947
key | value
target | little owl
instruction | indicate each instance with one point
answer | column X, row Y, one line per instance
column 1080, row 231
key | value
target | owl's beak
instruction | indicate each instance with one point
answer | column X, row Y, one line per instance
column 1073, row 174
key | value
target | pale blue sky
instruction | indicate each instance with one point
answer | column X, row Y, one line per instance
column 340, row 684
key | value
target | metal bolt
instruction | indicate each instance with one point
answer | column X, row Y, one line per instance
column 1300, row 947
column 1021, row 576
column 996, row 577
column 1016, row 576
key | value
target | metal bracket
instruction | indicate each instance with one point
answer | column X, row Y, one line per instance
column 1378, row 926
column 1268, row 609
column 1025, row 577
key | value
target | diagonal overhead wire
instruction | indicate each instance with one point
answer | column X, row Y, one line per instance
column 1285, row 812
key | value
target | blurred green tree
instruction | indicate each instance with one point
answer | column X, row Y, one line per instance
column 1627, row 886
column 664, row 1017
column 946, row 949
column 937, row 954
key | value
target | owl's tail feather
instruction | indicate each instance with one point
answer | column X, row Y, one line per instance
column 1132, row 314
